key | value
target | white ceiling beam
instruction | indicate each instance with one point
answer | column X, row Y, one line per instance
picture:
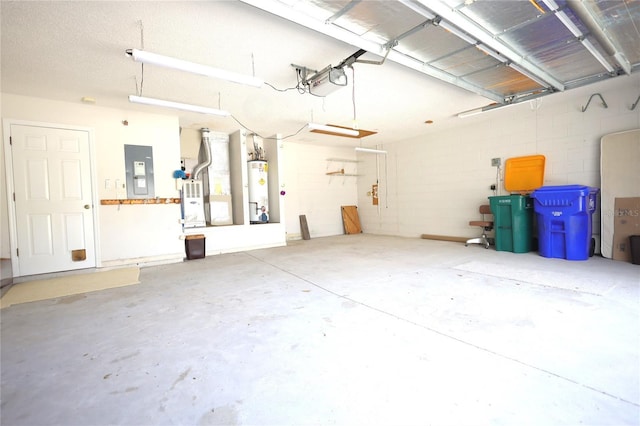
column 454, row 17
column 279, row 9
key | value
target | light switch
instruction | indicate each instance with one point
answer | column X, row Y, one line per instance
column 107, row 184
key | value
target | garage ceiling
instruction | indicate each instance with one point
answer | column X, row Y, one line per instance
column 436, row 58
column 507, row 51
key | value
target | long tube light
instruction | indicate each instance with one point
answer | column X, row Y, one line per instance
column 177, row 105
column 471, row 112
column 178, row 64
column 371, row 151
column 333, row 129
column 487, row 108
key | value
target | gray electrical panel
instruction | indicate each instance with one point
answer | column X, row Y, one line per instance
column 139, row 167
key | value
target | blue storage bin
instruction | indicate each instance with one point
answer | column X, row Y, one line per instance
column 564, row 215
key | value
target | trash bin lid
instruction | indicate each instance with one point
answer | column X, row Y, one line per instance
column 524, row 174
column 579, row 190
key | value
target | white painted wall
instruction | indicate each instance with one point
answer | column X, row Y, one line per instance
column 150, row 233
column 128, row 233
column 429, row 185
column 313, row 193
column 434, row 184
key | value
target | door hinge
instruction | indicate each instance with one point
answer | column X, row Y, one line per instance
column 10, row 140
column 17, row 252
column 14, row 197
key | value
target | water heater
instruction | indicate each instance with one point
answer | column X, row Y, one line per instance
column 258, row 191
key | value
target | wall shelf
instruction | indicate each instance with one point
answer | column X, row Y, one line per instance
column 340, row 173
column 342, row 160
column 343, row 170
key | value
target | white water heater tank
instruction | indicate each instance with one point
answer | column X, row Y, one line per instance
column 258, row 191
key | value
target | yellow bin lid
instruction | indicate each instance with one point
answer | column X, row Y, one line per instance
column 524, row 174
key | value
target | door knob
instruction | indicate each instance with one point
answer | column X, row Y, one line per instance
column 87, row 206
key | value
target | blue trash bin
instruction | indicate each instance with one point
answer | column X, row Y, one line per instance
column 564, row 216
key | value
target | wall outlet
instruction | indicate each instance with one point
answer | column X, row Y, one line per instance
column 495, row 162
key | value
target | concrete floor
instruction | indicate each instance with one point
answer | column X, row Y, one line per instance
column 344, row 330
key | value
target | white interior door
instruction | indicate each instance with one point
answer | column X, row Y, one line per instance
column 53, row 199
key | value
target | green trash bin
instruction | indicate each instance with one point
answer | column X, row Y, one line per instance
column 512, row 222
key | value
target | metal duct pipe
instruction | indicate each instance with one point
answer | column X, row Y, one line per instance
column 207, row 154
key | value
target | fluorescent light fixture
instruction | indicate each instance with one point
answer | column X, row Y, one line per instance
column 471, row 113
column 192, row 67
column 177, row 105
column 487, row 108
column 371, row 151
column 333, row 129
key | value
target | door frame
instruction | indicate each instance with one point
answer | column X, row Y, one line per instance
column 10, row 187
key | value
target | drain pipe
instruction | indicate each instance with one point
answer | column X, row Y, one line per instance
column 207, row 154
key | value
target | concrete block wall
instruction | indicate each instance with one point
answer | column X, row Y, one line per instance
column 434, row 184
column 313, row 193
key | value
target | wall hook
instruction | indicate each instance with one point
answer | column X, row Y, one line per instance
column 584, row 108
column 635, row 104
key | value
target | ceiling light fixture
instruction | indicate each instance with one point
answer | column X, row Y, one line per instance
column 371, row 151
column 470, row 113
column 333, row 129
column 487, row 108
column 178, row 64
column 177, row 105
